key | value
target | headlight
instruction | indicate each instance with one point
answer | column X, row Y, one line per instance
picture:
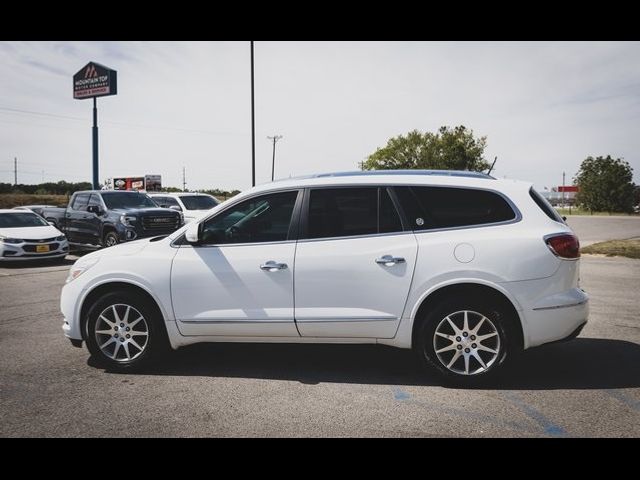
column 10, row 240
column 61, row 238
column 80, row 267
column 127, row 219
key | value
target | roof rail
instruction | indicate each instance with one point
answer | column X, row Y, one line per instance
column 445, row 173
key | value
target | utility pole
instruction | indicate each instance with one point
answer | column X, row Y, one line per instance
column 184, row 180
column 15, row 170
column 361, row 164
column 253, row 128
column 563, row 204
column 42, row 176
column 275, row 138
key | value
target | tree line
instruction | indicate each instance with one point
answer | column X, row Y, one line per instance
column 48, row 188
column 68, row 188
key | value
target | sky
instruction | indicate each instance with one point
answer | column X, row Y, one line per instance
column 544, row 106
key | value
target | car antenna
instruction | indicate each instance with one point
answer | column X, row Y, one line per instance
column 492, row 165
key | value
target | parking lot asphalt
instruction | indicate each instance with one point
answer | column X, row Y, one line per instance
column 593, row 229
column 586, row 387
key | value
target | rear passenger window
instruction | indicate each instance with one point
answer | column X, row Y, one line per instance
column 347, row 212
column 445, row 207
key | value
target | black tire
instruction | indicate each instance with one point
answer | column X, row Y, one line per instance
column 155, row 343
column 110, row 239
column 500, row 322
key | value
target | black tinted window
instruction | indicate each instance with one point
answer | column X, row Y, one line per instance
column 344, row 212
column 545, row 206
column 261, row 219
column 389, row 218
column 445, row 207
column 80, row 202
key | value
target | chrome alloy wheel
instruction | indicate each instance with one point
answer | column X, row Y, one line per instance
column 466, row 342
column 122, row 332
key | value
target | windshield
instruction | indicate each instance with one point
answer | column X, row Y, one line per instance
column 127, row 200
column 18, row 220
column 198, row 202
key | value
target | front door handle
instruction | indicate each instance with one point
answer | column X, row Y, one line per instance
column 389, row 260
column 272, row 266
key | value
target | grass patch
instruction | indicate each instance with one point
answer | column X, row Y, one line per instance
column 615, row 248
column 10, row 200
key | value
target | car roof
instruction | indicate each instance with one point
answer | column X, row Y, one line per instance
column 11, row 210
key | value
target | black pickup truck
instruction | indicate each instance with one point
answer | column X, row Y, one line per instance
column 105, row 218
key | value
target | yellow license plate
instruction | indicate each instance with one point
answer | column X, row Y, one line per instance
column 42, row 248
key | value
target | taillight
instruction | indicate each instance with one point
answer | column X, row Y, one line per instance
column 564, row 245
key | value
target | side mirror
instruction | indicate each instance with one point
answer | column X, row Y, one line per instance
column 191, row 235
column 176, row 208
column 94, row 209
column 51, row 223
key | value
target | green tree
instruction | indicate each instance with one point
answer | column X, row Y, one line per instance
column 447, row 149
column 606, row 184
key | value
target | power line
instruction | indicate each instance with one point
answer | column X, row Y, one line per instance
column 122, row 124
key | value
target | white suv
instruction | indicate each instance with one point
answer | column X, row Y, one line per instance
column 465, row 269
column 192, row 205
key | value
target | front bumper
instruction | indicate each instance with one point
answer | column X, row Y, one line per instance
column 26, row 251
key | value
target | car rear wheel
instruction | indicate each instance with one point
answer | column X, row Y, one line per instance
column 124, row 332
column 468, row 342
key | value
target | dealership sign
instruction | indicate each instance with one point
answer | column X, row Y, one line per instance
column 95, row 80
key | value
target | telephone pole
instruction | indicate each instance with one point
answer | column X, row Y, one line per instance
column 184, row 180
column 563, row 205
column 15, row 170
column 275, row 138
column 253, row 128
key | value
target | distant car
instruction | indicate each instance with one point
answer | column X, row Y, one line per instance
column 192, row 205
column 34, row 208
column 24, row 235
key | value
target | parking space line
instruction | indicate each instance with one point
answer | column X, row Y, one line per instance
column 547, row 425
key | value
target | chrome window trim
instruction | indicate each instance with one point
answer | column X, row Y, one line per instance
column 512, row 205
column 231, row 205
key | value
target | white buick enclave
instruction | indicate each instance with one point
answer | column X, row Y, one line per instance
column 464, row 269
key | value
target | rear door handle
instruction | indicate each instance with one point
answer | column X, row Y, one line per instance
column 389, row 260
column 272, row 266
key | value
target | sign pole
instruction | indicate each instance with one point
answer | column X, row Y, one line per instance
column 92, row 81
column 95, row 144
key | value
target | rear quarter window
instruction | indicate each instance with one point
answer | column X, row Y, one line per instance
column 429, row 208
column 545, row 206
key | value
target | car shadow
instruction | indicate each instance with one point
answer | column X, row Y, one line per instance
column 39, row 263
column 584, row 363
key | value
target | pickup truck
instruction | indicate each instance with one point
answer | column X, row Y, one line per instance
column 105, row 218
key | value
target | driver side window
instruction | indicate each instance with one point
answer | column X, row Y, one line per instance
column 260, row 219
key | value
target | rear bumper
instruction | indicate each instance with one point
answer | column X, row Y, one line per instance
column 553, row 321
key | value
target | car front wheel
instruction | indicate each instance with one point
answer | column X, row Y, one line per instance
column 123, row 331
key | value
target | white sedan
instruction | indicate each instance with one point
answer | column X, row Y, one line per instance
column 25, row 235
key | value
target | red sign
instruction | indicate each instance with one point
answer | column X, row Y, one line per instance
column 571, row 188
